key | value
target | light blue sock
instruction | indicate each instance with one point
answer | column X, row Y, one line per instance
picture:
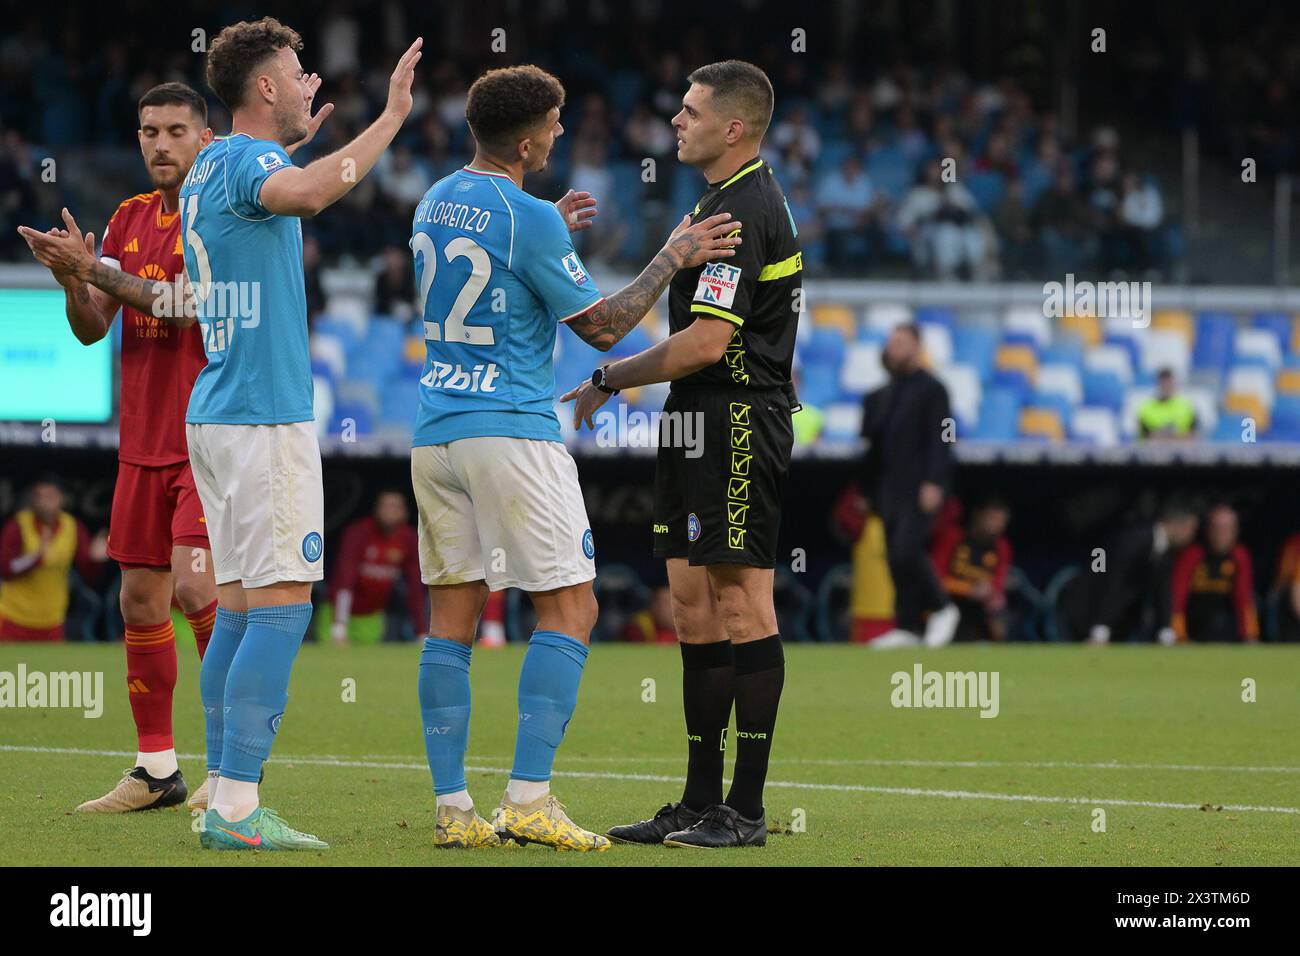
column 548, row 692
column 444, row 705
column 227, row 632
column 257, row 687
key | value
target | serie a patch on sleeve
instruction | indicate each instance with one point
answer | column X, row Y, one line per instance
column 574, row 268
column 270, row 161
column 718, row 284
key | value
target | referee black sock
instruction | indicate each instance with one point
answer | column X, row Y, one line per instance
column 760, row 674
column 706, row 699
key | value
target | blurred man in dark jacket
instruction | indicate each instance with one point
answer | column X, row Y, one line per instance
column 1131, row 597
column 908, row 467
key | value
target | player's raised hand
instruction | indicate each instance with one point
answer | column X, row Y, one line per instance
column 577, row 209
column 706, row 240
column 65, row 252
column 399, row 87
column 589, row 399
column 313, row 122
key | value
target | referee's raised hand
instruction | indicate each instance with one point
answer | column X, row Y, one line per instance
column 709, row 239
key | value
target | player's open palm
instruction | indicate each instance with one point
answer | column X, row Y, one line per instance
column 399, row 86
column 714, row 238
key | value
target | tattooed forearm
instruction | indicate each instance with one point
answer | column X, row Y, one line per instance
column 151, row 297
column 617, row 315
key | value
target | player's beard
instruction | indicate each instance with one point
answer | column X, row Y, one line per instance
column 166, row 177
column 292, row 126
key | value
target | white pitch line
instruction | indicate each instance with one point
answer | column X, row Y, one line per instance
column 660, row 778
column 939, row 764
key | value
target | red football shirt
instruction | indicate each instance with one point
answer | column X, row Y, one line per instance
column 369, row 564
column 159, row 361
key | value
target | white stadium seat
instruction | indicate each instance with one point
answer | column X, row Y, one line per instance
column 883, row 316
column 1028, row 320
column 1058, row 378
column 329, row 350
column 1253, row 379
column 862, row 371
column 964, row 391
column 938, row 344
column 1110, row 358
column 1258, row 343
column 1096, row 424
column 1164, row 348
column 843, row 421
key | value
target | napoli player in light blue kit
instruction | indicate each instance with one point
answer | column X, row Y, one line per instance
column 498, row 493
column 250, row 425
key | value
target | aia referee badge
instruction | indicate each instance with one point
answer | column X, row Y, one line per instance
column 692, row 528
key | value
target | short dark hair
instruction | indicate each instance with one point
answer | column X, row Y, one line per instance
column 911, row 328
column 505, row 103
column 239, row 50
column 175, row 94
column 742, row 87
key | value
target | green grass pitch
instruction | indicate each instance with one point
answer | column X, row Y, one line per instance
column 1159, row 739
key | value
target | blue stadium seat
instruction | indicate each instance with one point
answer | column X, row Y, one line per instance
column 935, row 315
column 976, row 346
column 358, row 412
column 1103, row 388
column 1279, row 323
column 398, row 402
column 1213, row 347
column 999, row 415
column 1064, row 350
column 1228, row 429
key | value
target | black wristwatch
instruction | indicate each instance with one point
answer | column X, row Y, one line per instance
column 598, row 382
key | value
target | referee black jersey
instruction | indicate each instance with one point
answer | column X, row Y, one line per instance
column 757, row 289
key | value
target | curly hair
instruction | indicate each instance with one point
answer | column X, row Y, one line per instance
column 239, row 50
column 505, row 103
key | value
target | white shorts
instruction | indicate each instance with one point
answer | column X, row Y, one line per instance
column 507, row 511
column 262, row 497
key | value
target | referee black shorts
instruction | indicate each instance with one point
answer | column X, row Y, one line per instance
column 724, row 454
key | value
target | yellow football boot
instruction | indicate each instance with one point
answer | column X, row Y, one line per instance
column 457, row 829
column 544, row 822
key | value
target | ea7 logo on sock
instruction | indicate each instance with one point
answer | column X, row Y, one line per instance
column 436, row 731
column 103, row 909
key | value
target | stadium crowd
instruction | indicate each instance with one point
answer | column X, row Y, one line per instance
column 899, row 166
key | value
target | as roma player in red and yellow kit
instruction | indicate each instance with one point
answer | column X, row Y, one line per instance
column 156, row 531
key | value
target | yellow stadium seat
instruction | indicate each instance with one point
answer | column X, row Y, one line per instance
column 1247, row 404
column 1176, row 320
column 1288, row 381
column 413, row 350
column 1086, row 327
column 836, row 317
column 1041, row 423
column 1020, row 357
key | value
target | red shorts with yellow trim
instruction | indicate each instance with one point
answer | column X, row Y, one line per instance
column 155, row 508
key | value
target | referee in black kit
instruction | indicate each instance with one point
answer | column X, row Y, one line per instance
column 733, row 325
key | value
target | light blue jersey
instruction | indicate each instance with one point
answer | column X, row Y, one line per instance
column 495, row 272
column 245, row 267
